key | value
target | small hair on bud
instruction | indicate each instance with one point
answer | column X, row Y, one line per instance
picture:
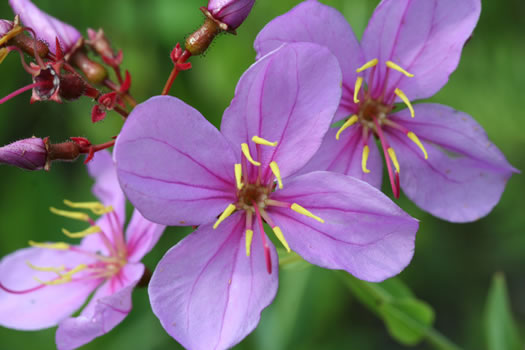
column 230, row 12
column 29, row 154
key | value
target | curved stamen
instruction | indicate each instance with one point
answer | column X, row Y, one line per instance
column 246, row 151
column 87, row 232
column 357, row 88
column 54, row 246
column 96, row 208
column 277, row 173
column 367, row 65
column 297, row 208
column 75, row 215
column 351, row 121
column 249, row 231
column 394, row 66
column 260, row 141
column 364, row 159
column 405, row 99
column 415, row 139
column 227, row 212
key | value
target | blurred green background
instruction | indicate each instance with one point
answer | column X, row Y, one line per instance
column 453, row 264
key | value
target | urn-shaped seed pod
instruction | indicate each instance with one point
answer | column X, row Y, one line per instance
column 29, row 154
column 230, row 12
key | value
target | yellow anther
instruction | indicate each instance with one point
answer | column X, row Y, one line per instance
column 351, row 121
column 11, row 34
column 415, row 139
column 277, row 173
column 89, row 231
column 61, row 268
column 56, row 246
column 227, row 212
column 367, row 65
column 70, row 214
column 394, row 66
column 96, row 207
column 392, row 155
column 249, row 237
column 238, row 175
column 405, row 99
column 65, row 278
column 364, row 159
column 358, row 84
column 279, row 234
column 261, row 141
column 3, row 54
column 246, row 151
column 296, row 207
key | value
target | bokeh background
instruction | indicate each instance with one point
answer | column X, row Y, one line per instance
column 453, row 263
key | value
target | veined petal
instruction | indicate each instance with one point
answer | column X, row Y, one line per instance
column 364, row 232
column 465, row 173
column 46, row 27
column 173, row 165
column 313, row 22
column 207, row 293
column 108, row 307
column 423, row 37
column 289, row 96
column 47, row 306
column 344, row 156
column 141, row 235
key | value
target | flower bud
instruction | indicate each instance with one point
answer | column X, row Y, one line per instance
column 230, row 12
column 30, row 154
column 5, row 27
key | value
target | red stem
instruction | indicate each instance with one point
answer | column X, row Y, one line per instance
column 21, row 90
column 183, row 58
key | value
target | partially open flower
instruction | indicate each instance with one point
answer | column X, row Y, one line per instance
column 5, row 27
column 27, row 154
column 230, row 12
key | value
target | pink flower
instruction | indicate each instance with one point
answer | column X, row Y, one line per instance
column 29, row 154
column 42, row 286
column 230, row 12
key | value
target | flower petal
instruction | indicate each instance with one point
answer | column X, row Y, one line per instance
column 344, row 156
column 46, row 27
column 173, row 165
column 207, row 293
column 47, row 306
column 364, row 232
column 289, row 96
column 423, row 37
column 108, row 307
column 141, row 236
column 311, row 21
column 464, row 175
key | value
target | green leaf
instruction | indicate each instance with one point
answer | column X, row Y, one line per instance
column 500, row 329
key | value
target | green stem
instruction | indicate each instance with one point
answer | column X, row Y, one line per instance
column 439, row 341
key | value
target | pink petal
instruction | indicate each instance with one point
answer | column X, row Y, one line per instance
column 364, row 232
column 465, row 173
column 344, row 156
column 313, row 22
column 141, row 235
column 174, row 166
column 108, row 307
column 289, row 96
column 207, row 293
column 424, row 37
column 47, row 306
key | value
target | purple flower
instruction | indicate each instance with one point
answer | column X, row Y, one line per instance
column 43, row 285
column 5, row 27
column 209, row 290
column 442, row 159
column 30, row 154
column 230, row 12
column 46, row 27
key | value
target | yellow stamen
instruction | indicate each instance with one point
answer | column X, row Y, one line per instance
column 70, row 214
column 279, row 234
column 392, row 155
column 89, row 231
column 296, row 207
column 249, row 237
column 46, row 269
column 405, row 99
column 415, row 139
column 364, row 159
column 277, row 173
column 11, row 34
column 238, row 175
column 96, row 207
column 3, row 54
column 260, row 141
column 351, row 121
column 394, row 66
column 227, row 212
column 367, row 65
column 56, row 246
column 65, row 278
column 358, row 84
column 246, row 151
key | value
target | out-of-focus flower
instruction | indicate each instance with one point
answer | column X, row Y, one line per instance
column 230, row 12
column 43, row 285
column 178, row 169
column 30, row 154
column 443, row 159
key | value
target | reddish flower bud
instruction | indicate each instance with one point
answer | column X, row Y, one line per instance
column 30, row 154
column 230, row 12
